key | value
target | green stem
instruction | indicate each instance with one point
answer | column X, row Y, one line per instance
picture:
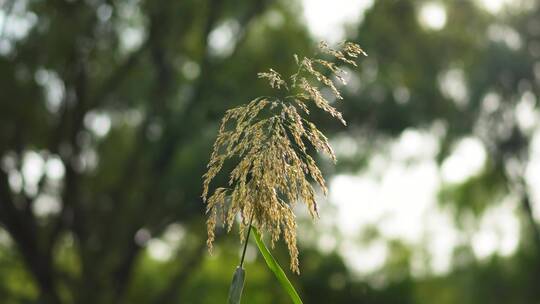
column 246, row 242
column 237, row 284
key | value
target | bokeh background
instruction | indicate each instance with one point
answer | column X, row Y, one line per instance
column 108, row 110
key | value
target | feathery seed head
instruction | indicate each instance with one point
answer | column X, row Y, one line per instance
column 269, row 138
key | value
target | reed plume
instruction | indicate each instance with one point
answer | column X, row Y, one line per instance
column 268, row 140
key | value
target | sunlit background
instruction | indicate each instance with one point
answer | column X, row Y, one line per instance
column 397, row 191
column 108, row 110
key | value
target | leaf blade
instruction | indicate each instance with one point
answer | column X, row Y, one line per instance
column 237, row 285
column 276, row 269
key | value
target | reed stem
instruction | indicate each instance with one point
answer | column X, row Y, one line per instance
column 246, row 242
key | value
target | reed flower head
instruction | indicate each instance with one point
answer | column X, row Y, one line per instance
column 268, row 140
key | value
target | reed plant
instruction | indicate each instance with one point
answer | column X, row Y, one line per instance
column 269, row 141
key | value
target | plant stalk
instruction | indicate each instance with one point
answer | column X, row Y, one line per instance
column 246, row 242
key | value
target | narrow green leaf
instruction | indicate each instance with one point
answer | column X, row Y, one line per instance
column 237, row 285
column 274, row 266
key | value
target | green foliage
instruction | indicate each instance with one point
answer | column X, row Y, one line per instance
column 476, row 194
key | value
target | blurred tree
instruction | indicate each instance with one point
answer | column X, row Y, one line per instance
column 108, row 110
column 408, row 88
column 116, row 101
column 476, row 76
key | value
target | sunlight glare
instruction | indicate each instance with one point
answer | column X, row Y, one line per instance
column 466, row 160
column 433, row 15
column 327, row 19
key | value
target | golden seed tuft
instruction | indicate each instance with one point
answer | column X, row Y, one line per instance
column 269, row 139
